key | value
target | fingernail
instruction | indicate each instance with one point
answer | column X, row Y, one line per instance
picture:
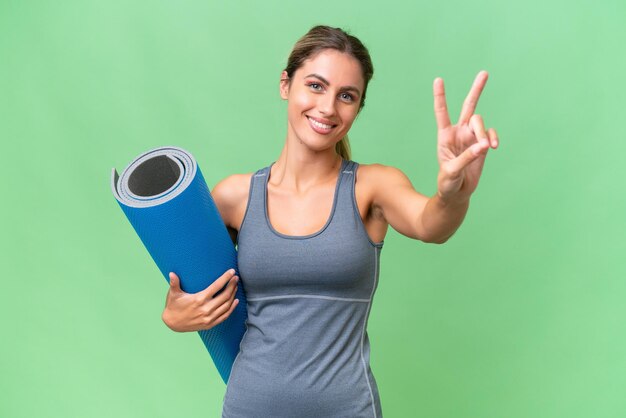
column 231, row 271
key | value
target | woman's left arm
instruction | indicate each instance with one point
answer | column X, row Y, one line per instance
column 461, row 152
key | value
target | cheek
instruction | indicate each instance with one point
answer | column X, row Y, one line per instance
column 299, row 104
column 349, row 115
column 302, row 101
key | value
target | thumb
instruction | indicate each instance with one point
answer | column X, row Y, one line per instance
column 174, row 283
column 473, row 152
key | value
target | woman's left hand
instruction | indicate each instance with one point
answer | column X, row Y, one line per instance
column 461, row 148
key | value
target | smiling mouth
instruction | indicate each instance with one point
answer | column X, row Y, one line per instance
column 319, row 126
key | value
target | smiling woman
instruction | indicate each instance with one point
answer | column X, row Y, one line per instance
column 327, row 108
column 310, row 229
column 331, row 40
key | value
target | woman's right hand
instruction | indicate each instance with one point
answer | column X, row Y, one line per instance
column 186, row 312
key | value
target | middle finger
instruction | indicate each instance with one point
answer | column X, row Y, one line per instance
column 469, row 105
column 227, row 293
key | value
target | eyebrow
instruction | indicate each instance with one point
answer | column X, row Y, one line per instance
column 346, row 88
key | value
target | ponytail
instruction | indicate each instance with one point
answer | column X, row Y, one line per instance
column 343, row 148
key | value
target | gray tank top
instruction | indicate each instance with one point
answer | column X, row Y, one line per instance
column 305, row 352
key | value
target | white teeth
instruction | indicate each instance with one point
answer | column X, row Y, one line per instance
column 319, row 124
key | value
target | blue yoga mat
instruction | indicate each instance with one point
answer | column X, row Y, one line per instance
column 165, row 198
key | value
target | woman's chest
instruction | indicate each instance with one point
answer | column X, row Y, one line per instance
column 334, row 263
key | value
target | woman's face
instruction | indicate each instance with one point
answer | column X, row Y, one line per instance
column 324, row 96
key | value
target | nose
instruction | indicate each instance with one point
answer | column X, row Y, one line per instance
column 326, row 104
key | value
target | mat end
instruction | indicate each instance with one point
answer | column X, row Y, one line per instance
column 114, row 178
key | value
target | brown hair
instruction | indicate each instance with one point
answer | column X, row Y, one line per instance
column 319, row 38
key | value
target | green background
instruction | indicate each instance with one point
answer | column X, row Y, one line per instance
column 520, row 314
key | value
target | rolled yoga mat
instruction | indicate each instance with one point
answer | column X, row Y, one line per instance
column 165, row 198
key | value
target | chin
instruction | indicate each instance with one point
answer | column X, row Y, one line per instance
column 319, row 144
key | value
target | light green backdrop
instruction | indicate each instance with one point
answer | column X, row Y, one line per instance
column 521, row 314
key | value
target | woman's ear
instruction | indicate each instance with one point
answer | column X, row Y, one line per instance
column 284, row 85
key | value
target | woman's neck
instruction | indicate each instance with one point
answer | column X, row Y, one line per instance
column 298, row 168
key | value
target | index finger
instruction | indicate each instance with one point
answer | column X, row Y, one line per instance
column 219, row 284
column 469, row 105
column 441, row 107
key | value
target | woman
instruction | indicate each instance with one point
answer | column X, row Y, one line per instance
column 310, row 228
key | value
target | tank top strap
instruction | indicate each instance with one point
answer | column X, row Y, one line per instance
column 345, row 197
column 255, row 210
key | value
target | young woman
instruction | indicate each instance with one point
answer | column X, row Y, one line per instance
column 310, row 228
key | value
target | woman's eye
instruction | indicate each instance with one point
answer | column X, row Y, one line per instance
column 315, row 86
column 346, row 97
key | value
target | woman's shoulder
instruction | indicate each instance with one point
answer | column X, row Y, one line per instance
column 379, row 174
column 375, row 183
column 231, row 196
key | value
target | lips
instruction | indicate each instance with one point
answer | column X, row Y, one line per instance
column 321, row 126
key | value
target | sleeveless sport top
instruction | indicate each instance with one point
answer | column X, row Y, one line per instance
column 305, row 353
